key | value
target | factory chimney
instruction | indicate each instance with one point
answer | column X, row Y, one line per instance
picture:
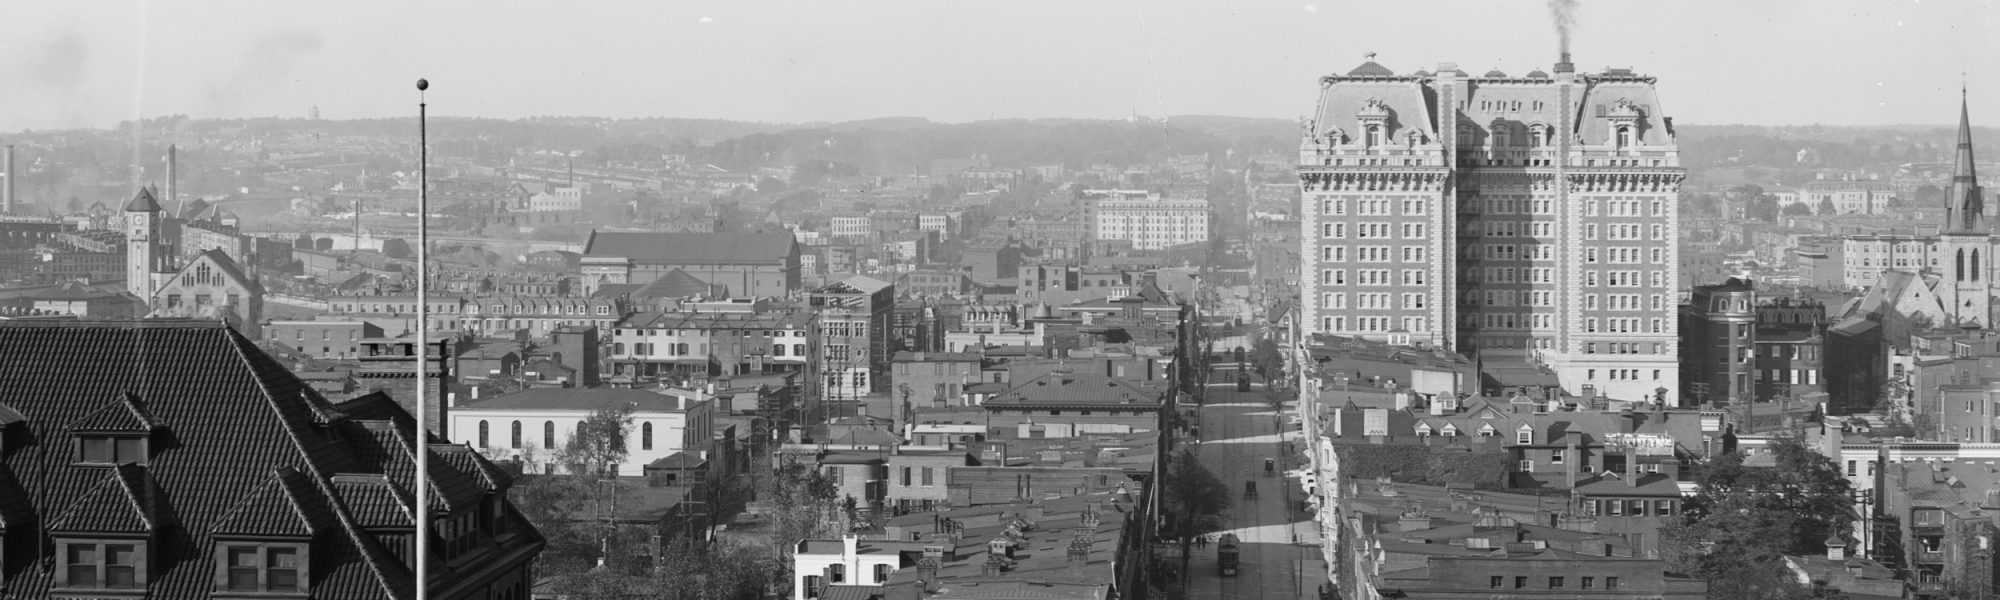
column 7, row 194
column 173, row 176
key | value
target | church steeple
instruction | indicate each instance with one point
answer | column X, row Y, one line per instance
column 1965, row 202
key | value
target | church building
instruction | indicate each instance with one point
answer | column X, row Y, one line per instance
column 211, row 285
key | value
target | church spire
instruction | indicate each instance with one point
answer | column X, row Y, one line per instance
column 1965, row 199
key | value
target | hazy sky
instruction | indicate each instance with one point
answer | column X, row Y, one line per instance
column 93, row 63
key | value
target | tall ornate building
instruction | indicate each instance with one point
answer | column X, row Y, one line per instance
column 1526, row 219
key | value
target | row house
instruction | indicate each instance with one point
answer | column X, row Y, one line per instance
column 704, row 344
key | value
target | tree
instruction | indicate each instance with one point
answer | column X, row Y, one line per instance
column 1196, row 502
column 1797, row 209
column 396, row 248
column 804, row 504
column 1269, row 361
column 1826, row 206
column 1742, row 520
column 599, row 443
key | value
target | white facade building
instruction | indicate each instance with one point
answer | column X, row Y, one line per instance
column 1152, row 222
column 530, row 424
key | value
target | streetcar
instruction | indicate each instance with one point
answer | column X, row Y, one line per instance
column 1226, row 554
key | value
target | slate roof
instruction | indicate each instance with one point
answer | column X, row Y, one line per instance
column 239, row 446
column 692, row 248
column 143, row 202
column 126, row 413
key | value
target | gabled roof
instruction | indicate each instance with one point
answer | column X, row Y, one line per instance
column 117, row 504
column 126, row 413
column 675, row 284
column 286, row 505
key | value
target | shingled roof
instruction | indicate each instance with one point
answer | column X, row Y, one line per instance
column 239, row 447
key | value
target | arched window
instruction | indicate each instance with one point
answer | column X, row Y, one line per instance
column 1961, row 265
column 548, row 435
column 1975, row 264
column 1465, row 137
column 1502, row 135
column 646, row 436
column 517, row 434
column 482, row 435
column 1624, row 137
column 1374, row 136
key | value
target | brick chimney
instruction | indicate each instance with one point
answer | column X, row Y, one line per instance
column 995, row 564
column 1836, row 548
column 927, row 567
column 1079, row 547
column 1631, row 469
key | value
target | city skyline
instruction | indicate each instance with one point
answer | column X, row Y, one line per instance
column 96, row 64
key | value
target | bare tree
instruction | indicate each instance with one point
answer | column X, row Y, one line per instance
column 1197, row 502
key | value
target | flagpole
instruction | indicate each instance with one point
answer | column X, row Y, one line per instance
column 423, row 533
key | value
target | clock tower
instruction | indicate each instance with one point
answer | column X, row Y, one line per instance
column 142, row 253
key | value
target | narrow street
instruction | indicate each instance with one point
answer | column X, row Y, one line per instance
column 1238, row 431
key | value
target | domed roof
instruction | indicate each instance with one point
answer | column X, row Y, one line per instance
column 1371, row 69
column 1422, row 73
column 1537, row 74
column 1495, row 74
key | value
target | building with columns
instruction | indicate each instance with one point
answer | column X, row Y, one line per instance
column 1521, row 219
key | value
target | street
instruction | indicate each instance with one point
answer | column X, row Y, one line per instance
column 1238, row 431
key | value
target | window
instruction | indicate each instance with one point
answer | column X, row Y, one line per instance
column 1524, row 436
column 837, row 574
column 482, row 436
column 111, row 450
column 1556, row 457
column 927, row 477
column 1496, row 581
column 881, row 573
column 516, row 438
column 548, row 434
column 812, row 586
column 1520, row 582
column 1555, row 583
column 103, row 566
column 1611, row 583
column 645, row 436
column 1589, row 583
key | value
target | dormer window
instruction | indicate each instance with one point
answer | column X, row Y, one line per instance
column 102, row 564
column 108, row 450
column 261, row 567
column 1524, row 436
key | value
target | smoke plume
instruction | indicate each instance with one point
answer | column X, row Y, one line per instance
column 270, row 58
column 1563, row 12
column 59, row 64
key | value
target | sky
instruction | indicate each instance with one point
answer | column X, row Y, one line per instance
column 93, row 63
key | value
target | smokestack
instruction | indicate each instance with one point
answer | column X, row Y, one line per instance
column 173, row 175
column 1564, row 65
column 7, row 195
